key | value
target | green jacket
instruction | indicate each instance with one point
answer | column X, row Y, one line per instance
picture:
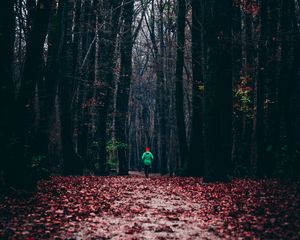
column 147, row 158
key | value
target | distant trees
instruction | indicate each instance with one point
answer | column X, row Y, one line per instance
column 229, row 114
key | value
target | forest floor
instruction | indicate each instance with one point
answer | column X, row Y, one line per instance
column 134, row 207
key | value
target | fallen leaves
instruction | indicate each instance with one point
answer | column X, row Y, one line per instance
column 157, row 208
column 164, row 229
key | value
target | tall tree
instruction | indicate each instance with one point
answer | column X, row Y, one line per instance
column 288, row 81
column 32, row 74
column 124, row 84
column 109, row 14
column 218, row 89
column 181, row 129
column 272, row 113
column 87, row 76
column 161, row 91
column 258, row 136
column 72, row 162
column 47, row 88
column 31, row 8
column 196, row 161
column 7, row 37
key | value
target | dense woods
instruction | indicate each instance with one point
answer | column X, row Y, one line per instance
column 212, row 87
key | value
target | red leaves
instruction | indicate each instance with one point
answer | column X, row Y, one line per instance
column 164, row 229
column 155, row 208
column 248, row 6
column 30, row 238
column 136, row 228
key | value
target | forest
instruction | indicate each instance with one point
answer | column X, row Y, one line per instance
column 212, row 87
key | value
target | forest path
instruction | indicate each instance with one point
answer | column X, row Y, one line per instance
column 146, row 208
column 135, row 207
column 130, row 207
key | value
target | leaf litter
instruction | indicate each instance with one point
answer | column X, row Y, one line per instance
column 134, row 207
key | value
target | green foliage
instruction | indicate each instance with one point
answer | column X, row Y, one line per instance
column 112, row 164
column 242, row 94
column 114, row 145
column 201, row 88
column 112, row 148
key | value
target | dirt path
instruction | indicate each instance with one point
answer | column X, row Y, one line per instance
column 105, row 208
column 134, row 207
column 148, row 211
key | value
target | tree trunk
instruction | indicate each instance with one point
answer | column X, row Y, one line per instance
column 258, row 136
column 179, row 85
column 32, row 74
column 287, row 81
column 109, row 27
column 272, row 113
column 7, row 38
column 87, row 73
column 218, row 90
column 196, row 161
column 123, row 86
column 162, row 93
column 31, row 8
column 48, row 87
column 72, row 162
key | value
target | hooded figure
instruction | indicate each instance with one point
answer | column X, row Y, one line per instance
column 147, row 159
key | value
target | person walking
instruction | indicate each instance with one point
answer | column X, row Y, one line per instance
column 147, row 159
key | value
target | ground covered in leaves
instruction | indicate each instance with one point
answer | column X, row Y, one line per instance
column 134, row 207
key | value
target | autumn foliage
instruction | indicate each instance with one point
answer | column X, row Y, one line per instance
column 156, row 208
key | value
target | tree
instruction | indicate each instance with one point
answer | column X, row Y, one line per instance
column 179, row 85
column 124, row 85
column 258, row 145
column 47, row 87
column 25, row 106
column 72, row 162
column 7, row 98
column 288, row 83
column 272, row 113
column 86, row 70
column 195, row 164
column 109, row 14
column 218, row 90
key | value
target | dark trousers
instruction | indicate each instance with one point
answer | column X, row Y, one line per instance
column 146, row 169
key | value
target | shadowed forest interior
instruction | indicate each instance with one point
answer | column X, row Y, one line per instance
column 212, row 87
